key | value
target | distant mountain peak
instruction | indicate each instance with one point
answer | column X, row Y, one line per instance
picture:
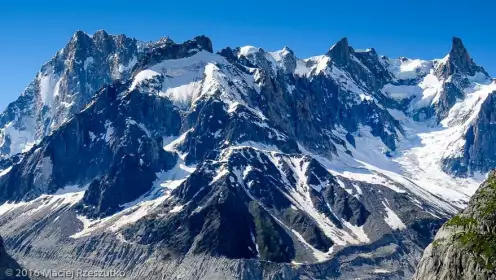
column 457, row 44
column 80, row 37
column 287, row 49
column 459, row 61
column 204, row 42
column 101, row 33
column 340, row 52
column 459, row 54
column 342, row 43
column 80, row 34
column 164, row 39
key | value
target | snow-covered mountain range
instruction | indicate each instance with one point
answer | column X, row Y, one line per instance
column 169, row 159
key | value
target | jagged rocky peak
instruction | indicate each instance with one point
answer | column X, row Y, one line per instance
column 285, row 59
column 82, row 40
column 102, row 35
column 110, row 42
column 84, row 51
column 340, row 52
column 204, row 42
column 64, row 85
column 85, row 64
column 363, row 66
column 78, row 46
column 286, row 50
column 80, row 35
column 371, row 59
column 89, row 55
column 459, row 62
column 163, row 40
column 457, row 71
column 269, row 62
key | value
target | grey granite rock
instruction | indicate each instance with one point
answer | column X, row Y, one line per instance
column 465, row 247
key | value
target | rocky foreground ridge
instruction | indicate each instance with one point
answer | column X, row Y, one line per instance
column 465, row 247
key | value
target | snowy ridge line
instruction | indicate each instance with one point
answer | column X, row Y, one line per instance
column 358, row 170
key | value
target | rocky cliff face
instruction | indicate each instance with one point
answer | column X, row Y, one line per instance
column 67, row 83
column 64, row 85
column 465, row 247
column 238, row 164
column 477, row 153
column 459, row 62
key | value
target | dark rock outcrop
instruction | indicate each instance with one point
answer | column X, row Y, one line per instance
column 363, row 67
column 112, row 143
column 168, row 49
column 455, row 71
column 459, row 62
column 9, row 268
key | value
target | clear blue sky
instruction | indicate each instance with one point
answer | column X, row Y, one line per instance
column 32, row 31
